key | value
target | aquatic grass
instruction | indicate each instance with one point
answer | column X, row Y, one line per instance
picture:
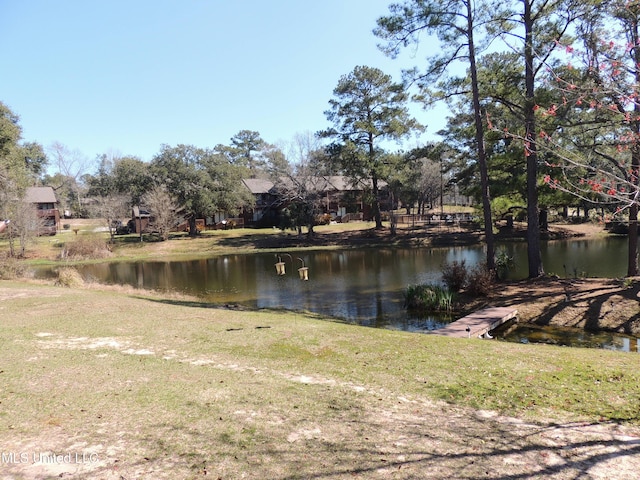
column 429, row 298
column 446, row 298
column 68, row 277
column 504, row 263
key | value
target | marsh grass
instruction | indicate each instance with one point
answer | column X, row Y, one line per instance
column 68, row 277
column 12, row 268
column 163, row 388
column 429, row 298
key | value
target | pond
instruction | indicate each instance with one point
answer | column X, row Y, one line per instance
column 360, row 286
column 567, row 337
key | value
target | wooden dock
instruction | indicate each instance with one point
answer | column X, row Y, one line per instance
column 478, row 323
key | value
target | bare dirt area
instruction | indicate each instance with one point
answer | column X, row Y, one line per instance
column 410, row 440
column 595, row 304
column 588, row 303
column 314, row 425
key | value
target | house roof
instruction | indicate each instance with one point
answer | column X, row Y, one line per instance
column 342, row 183
column 339, row 183
column 139, row 212
column 40, row 195
column 258, row 185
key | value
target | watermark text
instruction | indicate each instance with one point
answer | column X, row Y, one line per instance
column 48, row 458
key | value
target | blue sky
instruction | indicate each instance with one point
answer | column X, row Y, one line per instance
column 126, row 76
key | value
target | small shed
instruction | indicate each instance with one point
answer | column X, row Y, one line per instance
column 140, row 219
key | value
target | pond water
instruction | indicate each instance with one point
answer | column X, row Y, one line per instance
column 567, row 337
column 359, row 286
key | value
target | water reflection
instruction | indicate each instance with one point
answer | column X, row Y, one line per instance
column 359, row 286
column 364, row 286
column 595, row 257
column 567, row 337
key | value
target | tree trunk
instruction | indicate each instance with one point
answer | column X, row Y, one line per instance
column 392, row 216
column 632, row 264
column 193, row 229
column 376, row 201
column 534, row 255
column 374, row 185
column 482, row 156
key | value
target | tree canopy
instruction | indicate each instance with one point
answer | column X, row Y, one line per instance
column 20, row 166
column 367, row 108
column 455, row 23
column 541, row 94
column 202, row 181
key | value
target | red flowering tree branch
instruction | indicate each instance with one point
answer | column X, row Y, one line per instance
column 591, row 148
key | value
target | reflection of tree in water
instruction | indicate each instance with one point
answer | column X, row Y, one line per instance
column 361, row 286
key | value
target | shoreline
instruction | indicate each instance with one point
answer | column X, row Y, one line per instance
column 598, row 304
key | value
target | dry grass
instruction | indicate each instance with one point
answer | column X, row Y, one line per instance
column 69, row 277
column 85, row 247
column 147, row 387
column 245, row 240
column 12, row 268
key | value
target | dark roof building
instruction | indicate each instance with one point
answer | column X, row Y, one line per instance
column 38, row 195
column 46, row 204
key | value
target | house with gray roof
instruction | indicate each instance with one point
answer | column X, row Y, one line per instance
column 46, row 204
column 341, row 197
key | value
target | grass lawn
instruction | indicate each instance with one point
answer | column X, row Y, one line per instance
column 113, row 384
column 45, row 250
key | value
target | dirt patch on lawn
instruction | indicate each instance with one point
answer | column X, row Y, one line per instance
column 594, row 304
column 364, row 432
column 11, row 293
column 589, row 303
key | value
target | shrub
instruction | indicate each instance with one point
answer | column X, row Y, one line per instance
column 454, row 275
column 429, row 297
column 86, row 247
column 504, row 264
column 12, row 268
column 323, row 219
column 69, row 277
column 480, row 280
